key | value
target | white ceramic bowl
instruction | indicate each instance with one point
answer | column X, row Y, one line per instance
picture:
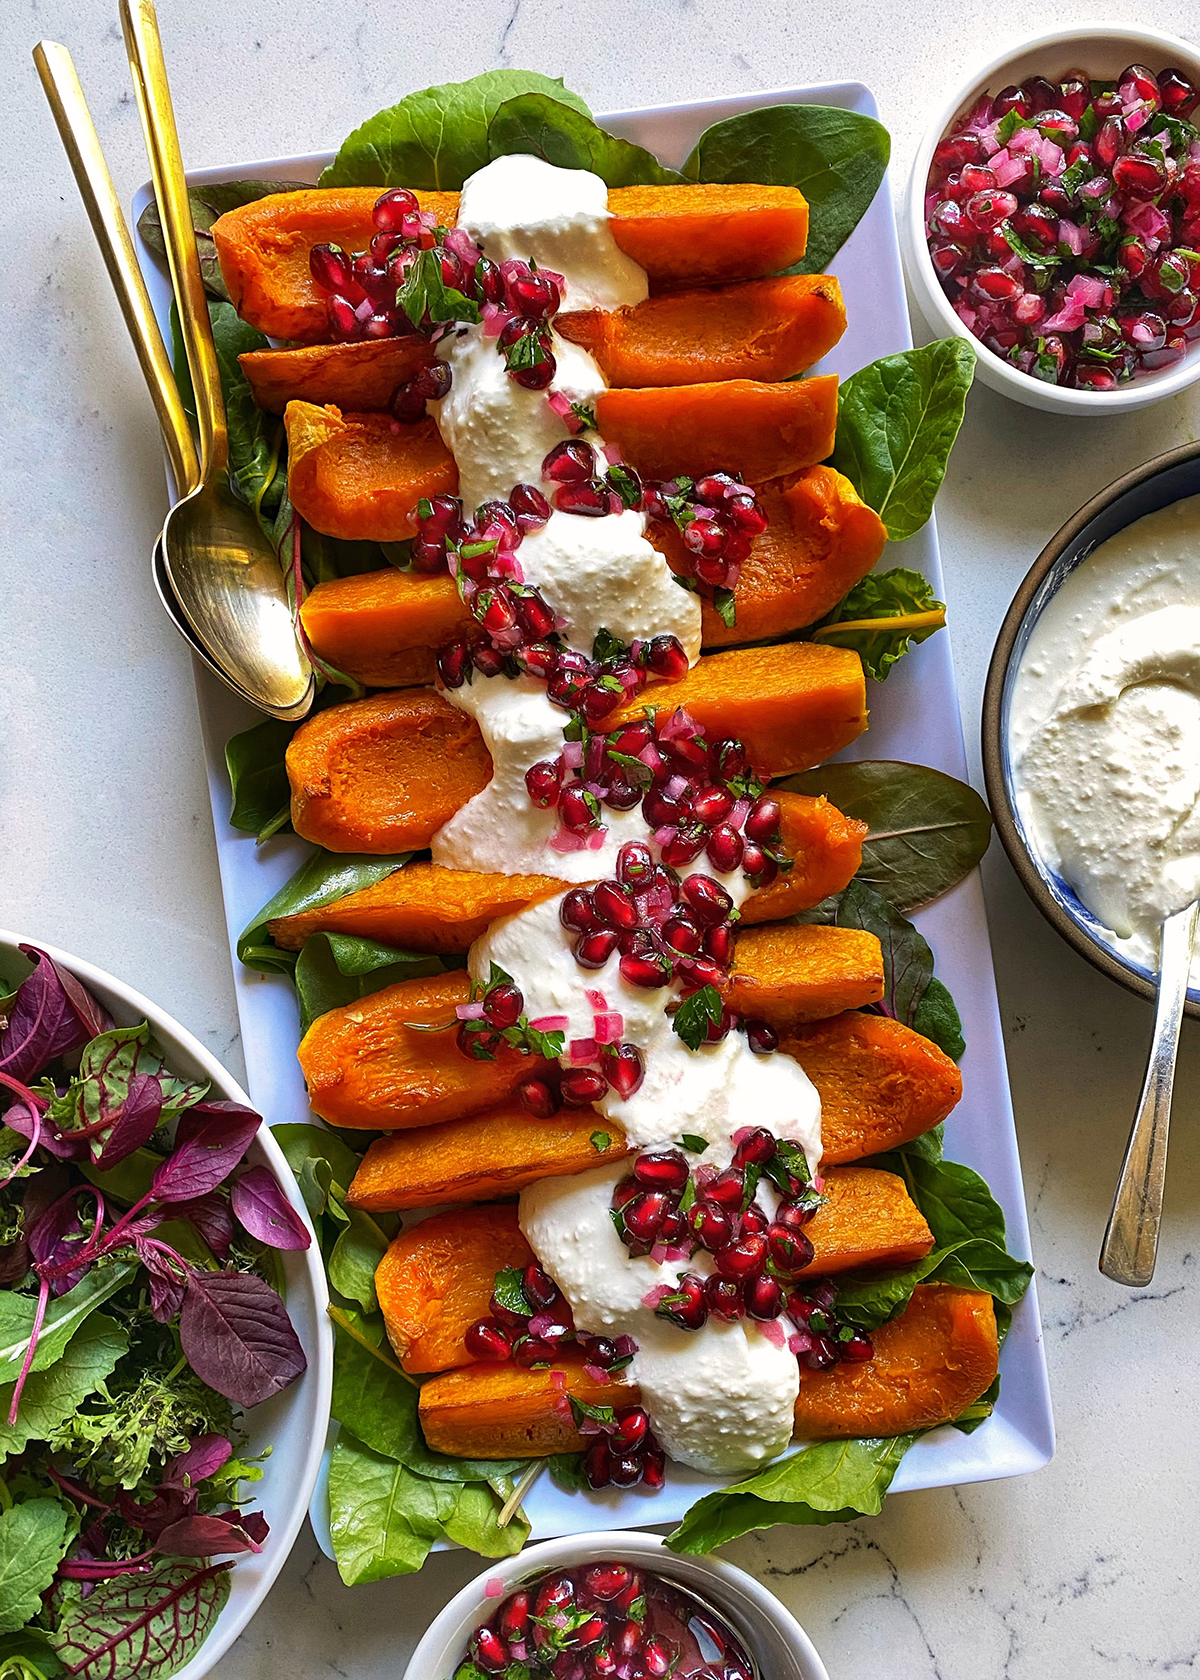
column 1102, row 50
column 771, row 1634
column 293, row 1423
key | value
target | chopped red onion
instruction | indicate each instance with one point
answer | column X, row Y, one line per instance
column 470, row 1011
column 581, row 1051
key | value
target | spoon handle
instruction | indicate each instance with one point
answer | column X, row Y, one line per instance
column 139, row 22
column 82, row 146
column 1130, row 1244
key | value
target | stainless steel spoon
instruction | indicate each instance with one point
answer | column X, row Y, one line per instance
column 222, row 570
column 1130, row 1245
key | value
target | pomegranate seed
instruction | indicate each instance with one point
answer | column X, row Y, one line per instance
column 689, row 841
column 590, row 499
column 687, row 1307
column 533, row 295
column 857, row 1349
column 591, row 1633
column 1039, row 94
column 754, row 1221
column 718, row 944
column 514, row 1617
column 755, row 1149
column 702, row 971
column 538, row 659
column 537, row 377
column 625, row 1070
column 1074, row 95
column 790, row 1251
column 1029, row 308
column 592, row 950
column 576, row 808
column 727, row 1189
column 951, row 221
column 764, row 1298
column 761, row 869
column 723, row 1297
column 666, row 658
column 957, row 150
column 614, row 904
column 743, row 1259
column 1177, row 94
column 705, row 537
column 558, row 1593
column 662, row 1169
column 490, row 1651
column 343, row 320
column 433, row 382
column 746, row 515
column 542, row 782
column 597, row 1463
column 408, row 405
column 577, row 911
column 708, row 899
column 717, row 571
column 646, row 971
column 538, row 1097
column 606, row 1580
column 503, row 1005
column 633, row 1425
column 1111, row 140
column 330, row 267
column 1058, row 125
column 730, row 760
column 977, row 178
column 600, row 1350
column 1010, row 99
column 1086, row 376
column 571, row 462
column 681, row 933
column 582, row 1086
column 711, row 1225
column 428, row 556
column 486, row 1340
column 725, row 848
column 635, row 864
column 452, row 662
column 654, row 1475
column 598, row 702
column 987, row 209
column 1037, row 225
column 625, row 1191
column 793, row 1215
column 997, row 284
column 392, row 207
column 656, row 1657
column 1144, row 82
column 761, row 1037
column 1139, row 174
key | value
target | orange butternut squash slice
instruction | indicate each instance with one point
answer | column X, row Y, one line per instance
column 371, row 1064
column 763, row 329
column 681, row 235
column 354, row 376
column 495, row 1153
column 436, row 1280
column 930, row 1364
column 786, row 974
column 384, row 773
column 821, row 540
column 427, row 908
column 738, row 426
column 881, row 1083
column 360, row 476
column 263, row 251
column 867, row 1218
column 504, row 1411
column 371, row 625
column 789, row 704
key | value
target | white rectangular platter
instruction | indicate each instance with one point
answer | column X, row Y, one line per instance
column 914, row 717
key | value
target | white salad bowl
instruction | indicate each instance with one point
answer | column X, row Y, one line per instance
column 292, row 1424
column 770, row 1633
column 1102, row 50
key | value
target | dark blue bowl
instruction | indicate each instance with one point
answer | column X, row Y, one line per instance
column 1168, row 478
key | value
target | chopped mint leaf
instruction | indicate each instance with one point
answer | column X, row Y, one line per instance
column 697, row 1145
column 600, row 1142
column 509, row 1292
column 425, row 295
column 526, row 352
column 694, row 1015
column 723, row 602
column 606, row 646
column 627, row 484
column 581, row 1409
column 587, row 415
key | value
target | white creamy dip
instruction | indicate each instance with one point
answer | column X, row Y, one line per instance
column 721, row 1398
column 1106, row 730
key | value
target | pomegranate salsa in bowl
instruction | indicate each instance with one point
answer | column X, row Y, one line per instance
column 1063, row 223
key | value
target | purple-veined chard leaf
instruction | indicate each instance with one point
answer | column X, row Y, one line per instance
column 208, row 1536
column 141, row 1627
column 133, row 1124
column 51, row 1014
column 238, row 1337
column 206, row 1455
column 260, row 1204
column 213, row 1219
column 210, row 1141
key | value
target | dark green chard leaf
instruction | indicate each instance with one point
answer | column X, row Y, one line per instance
column 836, row 158
column 321, row 880
column 927, row 830
column 435, row 138
column 262, row 795
column 881, row 617
column 142, row 1627
column 383, row 1518
column 541, row 124
column 373, row 1400
column 972, row 1263
column 833, row 1481
column 50, row 1397
column 257, row 441
column 335, row 969
column 897, row 422
column 567, row 1471
column 207, row 204
column 33, row 1538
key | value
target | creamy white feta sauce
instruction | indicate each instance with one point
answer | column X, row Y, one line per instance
column 1106, row 730
column 719, row 1399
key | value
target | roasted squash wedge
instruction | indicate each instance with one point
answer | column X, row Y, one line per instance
column 786, row 975
column 867, row 1218
column 930, row 1364
column 436, row 1280
column 358, row 377
column 360, row 476
column 505, row 1411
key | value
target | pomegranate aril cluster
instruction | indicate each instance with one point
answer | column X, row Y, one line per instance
column 519, row 302
column 623, row 1450
column 1064, row 225
column 588, row 1624
column 494, row 1018
column 530, row 1323
column 718, row 516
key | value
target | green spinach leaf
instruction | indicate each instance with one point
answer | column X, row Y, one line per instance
column 897, row 421
column 207, row 204
column 335, row 969
column 304, row 1143
column 542, row 125
column 262, row 795
column 321, row 880
column 33, row 1538
column 383, row 1518
column 881, row 617
column 51, row 1396
column 836, row 158
column 927, row 831
column 833, row 1481
column 474, row 1524
column 373, row 1401
column 936, row 1016
column 356, row 1253
column 28, row 1655
column 435, row 138
column 63, row 1318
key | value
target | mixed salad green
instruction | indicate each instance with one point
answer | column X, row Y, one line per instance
column 141, row 1312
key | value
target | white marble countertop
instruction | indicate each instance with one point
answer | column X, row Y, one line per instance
column 1086, row 1569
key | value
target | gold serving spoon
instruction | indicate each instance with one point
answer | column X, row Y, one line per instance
column 221, row 568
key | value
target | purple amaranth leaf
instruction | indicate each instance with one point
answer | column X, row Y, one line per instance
column 260, row 1204
column 210, row 1140
column 57, row 1236
column 141, row 1626
column 51, row 1014
column 168, row 1279
column 133, row 1124
column 206, row 1455
column 167, row 1506
column 238, row 1337
column 197, row 1536
column 212, row 1217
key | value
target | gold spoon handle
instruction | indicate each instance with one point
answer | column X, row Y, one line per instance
column 153, row 94
column 82, row 146
column 1131, row 1241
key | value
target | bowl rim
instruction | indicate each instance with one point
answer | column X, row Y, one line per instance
column 931, row 298
column 232, row 1621
column 723, row 1583
column 1100, row 956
